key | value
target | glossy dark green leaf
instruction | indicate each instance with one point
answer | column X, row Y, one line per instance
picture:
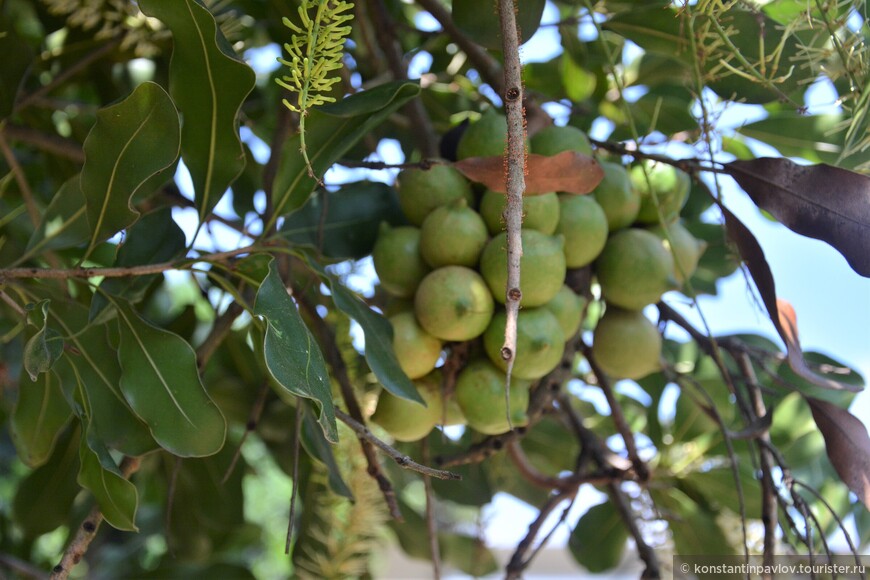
column 44, row 347
column 316, row 445
column 63, row 224
column 44, row 498
column 115, row 494
column 331, row 131
column 208, row 83
column 828, row 367
column 153, row 239
column 130, row 143
column 160, row 381
column 292, row 355
column 378, row 336
column 350, row 226
column 92, row 367
column 39, row 417
column 598, row 540
column 12, row 70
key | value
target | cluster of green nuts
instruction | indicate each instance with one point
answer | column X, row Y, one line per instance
column 446, row 274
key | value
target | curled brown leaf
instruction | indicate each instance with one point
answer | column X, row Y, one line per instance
column 568, row 172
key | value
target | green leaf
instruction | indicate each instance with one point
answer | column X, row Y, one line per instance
column 92, row 367
column 63, row 224
column 153, row 239
column 12, row 69
column 45, row 497
column 292, row 355
column 130, row 143
column 160, row 381
column 598, row 540
column 316, row 445
column 816, row 138
column 43, row 348
column 350, row 226
column 39, row 417
column 208, row 84
column 331, row 130
column 480, row 21
column 695, row 529
column 379, row 351
column 115, row 494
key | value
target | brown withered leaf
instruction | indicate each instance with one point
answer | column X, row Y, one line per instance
column 781, row 313
column 818, row 201
column 847, row 443
column 568, row 172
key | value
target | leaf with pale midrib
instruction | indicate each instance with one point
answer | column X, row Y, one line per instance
column 292, row 355
column 161, row 383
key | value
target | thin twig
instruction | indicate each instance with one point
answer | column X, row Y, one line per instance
column 566, row 483
column 768, row 488
column 539, row 400
column 21, row 180
column 21, row 567
column 518, row 563
column 326, row 337
column 297, row 447
column 401, row 460
column 644, row 550
column 251, row 425
column 486, row 65
column 88, row 530
column 67, row 73
column 219, row 330
column 424, row 132
column 431, row 522
column 12, row 304
column 617, row 416
column 117, row 272
column 50, row 143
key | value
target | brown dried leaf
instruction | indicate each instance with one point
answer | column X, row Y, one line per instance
column 848, row 445
column 781, row 313
column 568, row 172
column 819, row 201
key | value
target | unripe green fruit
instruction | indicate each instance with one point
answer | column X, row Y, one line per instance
column 553, row 140
column 485, row 138
column 540, row 212
column 685, row 248
column 480, row 394
column 453, row 303
column 540, row 342
column 584, row 225
column 408, row 420
column 542, row 267
column 450, row 414
column 568, row 308
column 634, row 270
column 423, row 190
column 397, row 260
column 616, row 196
column 626, row 345
column 671, row 187
column 416, row 350
column 453, row 234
